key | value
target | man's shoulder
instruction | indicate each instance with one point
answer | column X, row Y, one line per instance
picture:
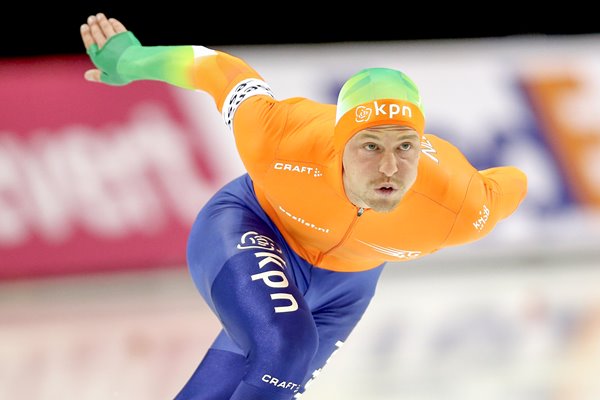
column 296, row 100
column 441, row 153
column 298, row 109
column 306, row 113
column 444, row 172
column 306, row 103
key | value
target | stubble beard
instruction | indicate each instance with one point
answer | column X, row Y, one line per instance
column 389, row 204
column 384, row 205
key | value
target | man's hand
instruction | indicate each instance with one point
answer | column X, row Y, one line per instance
column 97, row 31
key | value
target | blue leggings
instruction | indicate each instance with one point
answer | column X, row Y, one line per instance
column 282, row 317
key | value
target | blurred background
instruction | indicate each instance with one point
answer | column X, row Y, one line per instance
column 99, row 186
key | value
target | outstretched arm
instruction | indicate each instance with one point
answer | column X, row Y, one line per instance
column 120, row 59
column 238, row 91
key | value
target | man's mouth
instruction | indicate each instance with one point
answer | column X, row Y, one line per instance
column 386, row 189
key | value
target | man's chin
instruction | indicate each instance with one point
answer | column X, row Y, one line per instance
column 384, row 205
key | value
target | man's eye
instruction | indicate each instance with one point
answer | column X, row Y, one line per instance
column 406, row 146
column 371, row 146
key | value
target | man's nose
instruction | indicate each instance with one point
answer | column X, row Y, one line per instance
column 388, row 164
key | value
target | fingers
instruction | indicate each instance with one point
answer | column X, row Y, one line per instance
column 105, row 25
column 86, row 36
column 92, row 75
column 117, row 26
column 99, row 29
column 97, row 32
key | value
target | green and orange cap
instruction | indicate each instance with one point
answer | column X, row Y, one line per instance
column 377, row 96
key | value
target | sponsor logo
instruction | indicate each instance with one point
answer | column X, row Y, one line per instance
column 252, row 240
column 46, row 180
column 270, row 379
column 484, row 215
column 428, row 150
column 390, row 251
column 269, row 256
column 303, row 222
column 363, row 113
column 302, row 169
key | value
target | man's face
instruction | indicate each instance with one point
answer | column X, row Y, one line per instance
column 380, row 165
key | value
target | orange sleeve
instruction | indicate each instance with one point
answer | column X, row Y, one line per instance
column 509, row 185
column 492, row 195
column 219, row 73
column 258, row 127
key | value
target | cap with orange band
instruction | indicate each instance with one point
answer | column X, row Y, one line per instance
column 377, row 96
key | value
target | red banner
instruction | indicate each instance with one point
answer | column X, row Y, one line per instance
column 94, row 177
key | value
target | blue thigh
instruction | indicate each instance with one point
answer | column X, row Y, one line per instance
column 242, row 268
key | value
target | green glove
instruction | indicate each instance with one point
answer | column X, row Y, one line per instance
column 107, row 58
